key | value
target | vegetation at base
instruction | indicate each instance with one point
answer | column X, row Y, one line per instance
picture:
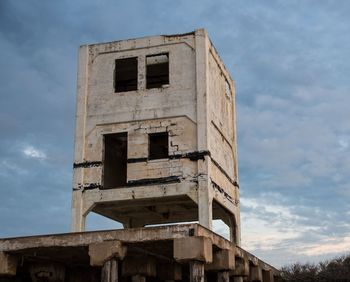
column 335, row 270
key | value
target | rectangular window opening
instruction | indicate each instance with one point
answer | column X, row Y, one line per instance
column 158, row 145
column 157, row 71
column 125, row 74
column 115, row 160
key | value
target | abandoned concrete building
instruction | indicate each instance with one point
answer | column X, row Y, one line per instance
column 155, row 144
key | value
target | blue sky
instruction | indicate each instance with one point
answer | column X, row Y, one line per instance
column 290, row 62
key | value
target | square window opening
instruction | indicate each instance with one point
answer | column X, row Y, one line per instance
column 158, row 145
column 115, row 160
column 125, row 74
column 157, row 71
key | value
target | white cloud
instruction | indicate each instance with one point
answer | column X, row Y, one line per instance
column 331, row 245
column 34, row 153
column 271, row 228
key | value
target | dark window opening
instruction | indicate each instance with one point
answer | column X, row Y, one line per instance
column 157, row 70
column 115, row 160
column 125, row 74
column 158, row 146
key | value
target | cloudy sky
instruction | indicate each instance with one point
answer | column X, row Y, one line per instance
column 290, row 62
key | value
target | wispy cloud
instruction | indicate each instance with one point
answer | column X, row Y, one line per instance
column 31, row 152
column 331, row 245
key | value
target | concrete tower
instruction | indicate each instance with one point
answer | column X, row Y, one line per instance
column 155, row 137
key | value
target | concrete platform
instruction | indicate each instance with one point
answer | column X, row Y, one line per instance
column 186, row 252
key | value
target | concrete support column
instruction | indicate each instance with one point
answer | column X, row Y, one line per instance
column 110, row 271
column 241, row 269
column 223, row 276
column 267, row 276
column 78, row 219
column 8, row 264
column 202, row 76
column 196, row 271
column 234, row 230
column 255, row 273
column 205, row 198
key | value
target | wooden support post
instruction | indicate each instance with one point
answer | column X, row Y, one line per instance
column 223, row 276
column 196, row 271
column 138, row 278
column 238, row 279
column 110, row 271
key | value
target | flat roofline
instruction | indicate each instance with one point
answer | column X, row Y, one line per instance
column 147, row 36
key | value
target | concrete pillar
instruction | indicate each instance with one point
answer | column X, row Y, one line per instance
column 110, row 271
column 196, row 271
column 205, row 205
column 8, row 264
column 78, row 219
column 204, row 191
column 224, row 276
column 234, row 230
column 241, row 267
column 267, row 276
column 255, row 273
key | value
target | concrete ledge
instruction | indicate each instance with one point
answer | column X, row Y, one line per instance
column 101, row 252
column 222, row 260
column 193, row 248
column 167, row 244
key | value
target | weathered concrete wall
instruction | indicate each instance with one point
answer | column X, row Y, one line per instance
column 222, row 136
column 182, row 140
